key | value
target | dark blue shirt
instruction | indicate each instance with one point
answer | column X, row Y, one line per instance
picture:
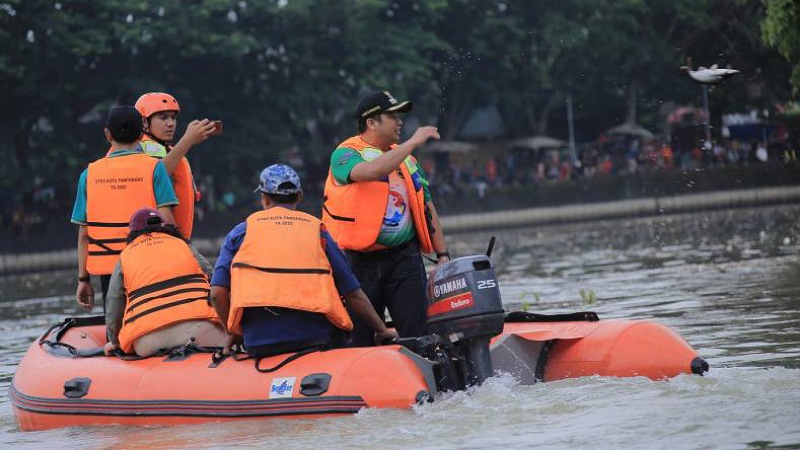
column 266, row 326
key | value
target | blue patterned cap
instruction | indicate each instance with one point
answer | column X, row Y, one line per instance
column 278, row 179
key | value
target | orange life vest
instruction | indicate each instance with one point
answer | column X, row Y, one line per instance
column 182, row 182
column 282, row 263
column 353, row 213
column 164, row 285
column 115, row 188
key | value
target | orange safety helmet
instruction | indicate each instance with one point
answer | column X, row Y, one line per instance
column 153, row 102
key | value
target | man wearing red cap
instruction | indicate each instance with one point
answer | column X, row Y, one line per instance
column 378, row 208
column 153, row 307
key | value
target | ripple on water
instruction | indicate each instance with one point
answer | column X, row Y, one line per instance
column 732, row 291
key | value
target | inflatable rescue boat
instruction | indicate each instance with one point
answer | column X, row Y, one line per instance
column 65, row 380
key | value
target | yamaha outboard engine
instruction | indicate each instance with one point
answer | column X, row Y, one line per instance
column 465, row 310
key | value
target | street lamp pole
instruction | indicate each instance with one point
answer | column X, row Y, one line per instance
column 708, row 117
column 571, row 126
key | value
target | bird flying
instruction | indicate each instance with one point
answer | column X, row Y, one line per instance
column 711, row 75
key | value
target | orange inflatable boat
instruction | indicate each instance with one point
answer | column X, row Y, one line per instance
column 64, row 379
column 570, row 349
column 60, row 382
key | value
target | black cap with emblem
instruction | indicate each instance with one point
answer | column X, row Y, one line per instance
column 380, row 102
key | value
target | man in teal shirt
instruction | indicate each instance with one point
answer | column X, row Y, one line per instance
column 123, row 129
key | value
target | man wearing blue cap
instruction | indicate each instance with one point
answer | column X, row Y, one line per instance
column 280, row 278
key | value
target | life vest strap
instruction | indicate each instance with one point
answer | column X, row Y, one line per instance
column 282, row 270
column 105, row 253
column 165, row 306
column 108, row 224
column 135, row 304
column 101, row 243
column 161, row 285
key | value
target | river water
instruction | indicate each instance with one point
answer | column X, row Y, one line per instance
column 728, row 281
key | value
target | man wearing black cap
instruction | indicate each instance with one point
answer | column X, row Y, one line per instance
column 378, row 208
column 109, row 191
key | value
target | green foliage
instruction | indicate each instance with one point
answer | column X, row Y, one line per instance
column 781, row 30
column 286, row 74
column 588, row 296
column 526, row 297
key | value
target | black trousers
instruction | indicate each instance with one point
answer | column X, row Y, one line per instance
column 105, row 280
column 393, row 279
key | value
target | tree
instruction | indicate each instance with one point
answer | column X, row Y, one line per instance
column 781, row 30
column 287, row 74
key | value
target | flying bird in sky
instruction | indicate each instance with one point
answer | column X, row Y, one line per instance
column 712, row 75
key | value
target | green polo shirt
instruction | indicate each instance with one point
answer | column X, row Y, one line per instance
column 397, row 227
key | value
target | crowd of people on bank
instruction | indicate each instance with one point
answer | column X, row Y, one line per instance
column 27, row 214
column 622, row 155
column 284, row 280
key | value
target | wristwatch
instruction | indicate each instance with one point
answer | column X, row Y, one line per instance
column 444, row 253
column 87, row 278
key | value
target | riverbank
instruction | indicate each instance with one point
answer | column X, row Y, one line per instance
column 642, row 207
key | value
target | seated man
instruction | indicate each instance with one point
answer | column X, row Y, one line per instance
column 280, row 278
column 151, row 307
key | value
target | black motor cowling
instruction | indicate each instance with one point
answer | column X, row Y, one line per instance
column 465, row 309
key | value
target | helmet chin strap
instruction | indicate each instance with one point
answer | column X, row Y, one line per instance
column 147, row 132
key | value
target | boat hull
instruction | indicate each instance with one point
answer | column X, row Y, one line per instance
column 551, row 351
column 50, row 391
column 54, row 389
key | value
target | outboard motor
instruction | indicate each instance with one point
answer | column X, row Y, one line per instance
column 465, row 310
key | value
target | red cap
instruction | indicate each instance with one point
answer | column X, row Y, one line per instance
column 145, row 217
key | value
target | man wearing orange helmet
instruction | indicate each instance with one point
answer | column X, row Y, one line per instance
column 160, row 111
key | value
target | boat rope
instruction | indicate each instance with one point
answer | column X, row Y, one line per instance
column 51, row 340
column 188, row 349
column 172, row 354
column 58, row 330
column 301, row 353
column 523, row 316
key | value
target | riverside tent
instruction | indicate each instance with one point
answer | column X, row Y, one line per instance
column 631, row 129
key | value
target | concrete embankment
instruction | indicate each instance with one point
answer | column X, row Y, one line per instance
column 622, row 208
column 65, row 259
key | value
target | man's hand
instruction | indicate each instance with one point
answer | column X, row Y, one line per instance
column 442, row 259
column 230, row 340
column 198, row 131
column 422, row 135
column 385, row 336
column 85, row 294
column 109, row 348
